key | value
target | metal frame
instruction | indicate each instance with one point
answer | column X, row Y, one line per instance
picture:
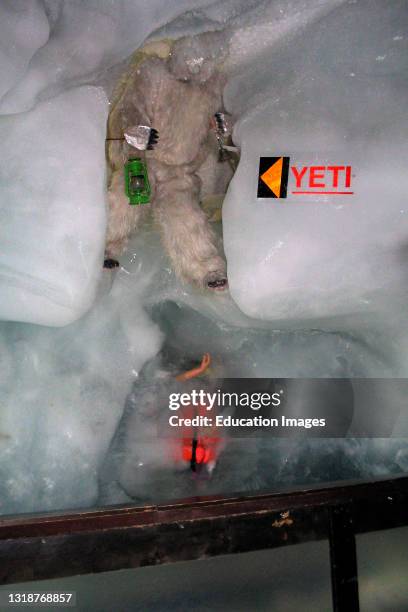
column 56, row 545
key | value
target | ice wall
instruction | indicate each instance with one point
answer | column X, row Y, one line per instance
column 62, row 393
column 324, row 84
column 85, row 36
column 24, row 28
column 52, row 132
column 296, row 83
column 78, row 409
column 52, row 203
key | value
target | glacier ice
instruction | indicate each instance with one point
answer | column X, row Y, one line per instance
column 81, row 403
column 318, row 291
column 52, row 204
column 52, row 164
column 62, row 395
column 86, row 37
column 24, row 28
column 321, row 93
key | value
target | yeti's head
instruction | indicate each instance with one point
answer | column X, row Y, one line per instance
column 194, row 58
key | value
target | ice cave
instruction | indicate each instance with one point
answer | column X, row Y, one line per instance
column 307, row 209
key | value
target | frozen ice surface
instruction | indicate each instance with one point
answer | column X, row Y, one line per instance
column 314, row 77
column 80, row 404
column 24, row 28
column 52, row 163
column 319, row 91
column 87, row 36
column 140, row 463
column 62, row 395
column 52, row 206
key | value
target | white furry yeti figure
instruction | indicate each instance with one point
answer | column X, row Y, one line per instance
column 178, row 96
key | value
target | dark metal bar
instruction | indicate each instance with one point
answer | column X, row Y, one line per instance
column 379, row 492
column 343, row 560
column 55, row 545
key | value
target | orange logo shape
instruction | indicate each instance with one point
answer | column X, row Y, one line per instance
column 273, row 177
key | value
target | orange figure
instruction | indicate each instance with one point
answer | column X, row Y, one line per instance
column 205, row 364
column 199, row 446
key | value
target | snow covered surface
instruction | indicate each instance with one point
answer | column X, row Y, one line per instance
column 333, row 91
column 85, row 37
column 319, row 77
column 24, row 29
column 305, row 77
column 52, row 203
column 62, row 395
column 52, row 160
column 79, row 403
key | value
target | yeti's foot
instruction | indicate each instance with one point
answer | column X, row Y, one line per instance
column 216, row 281
column 110, row 263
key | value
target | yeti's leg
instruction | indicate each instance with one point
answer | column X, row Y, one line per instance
column 122, row 218
column 186, row 232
